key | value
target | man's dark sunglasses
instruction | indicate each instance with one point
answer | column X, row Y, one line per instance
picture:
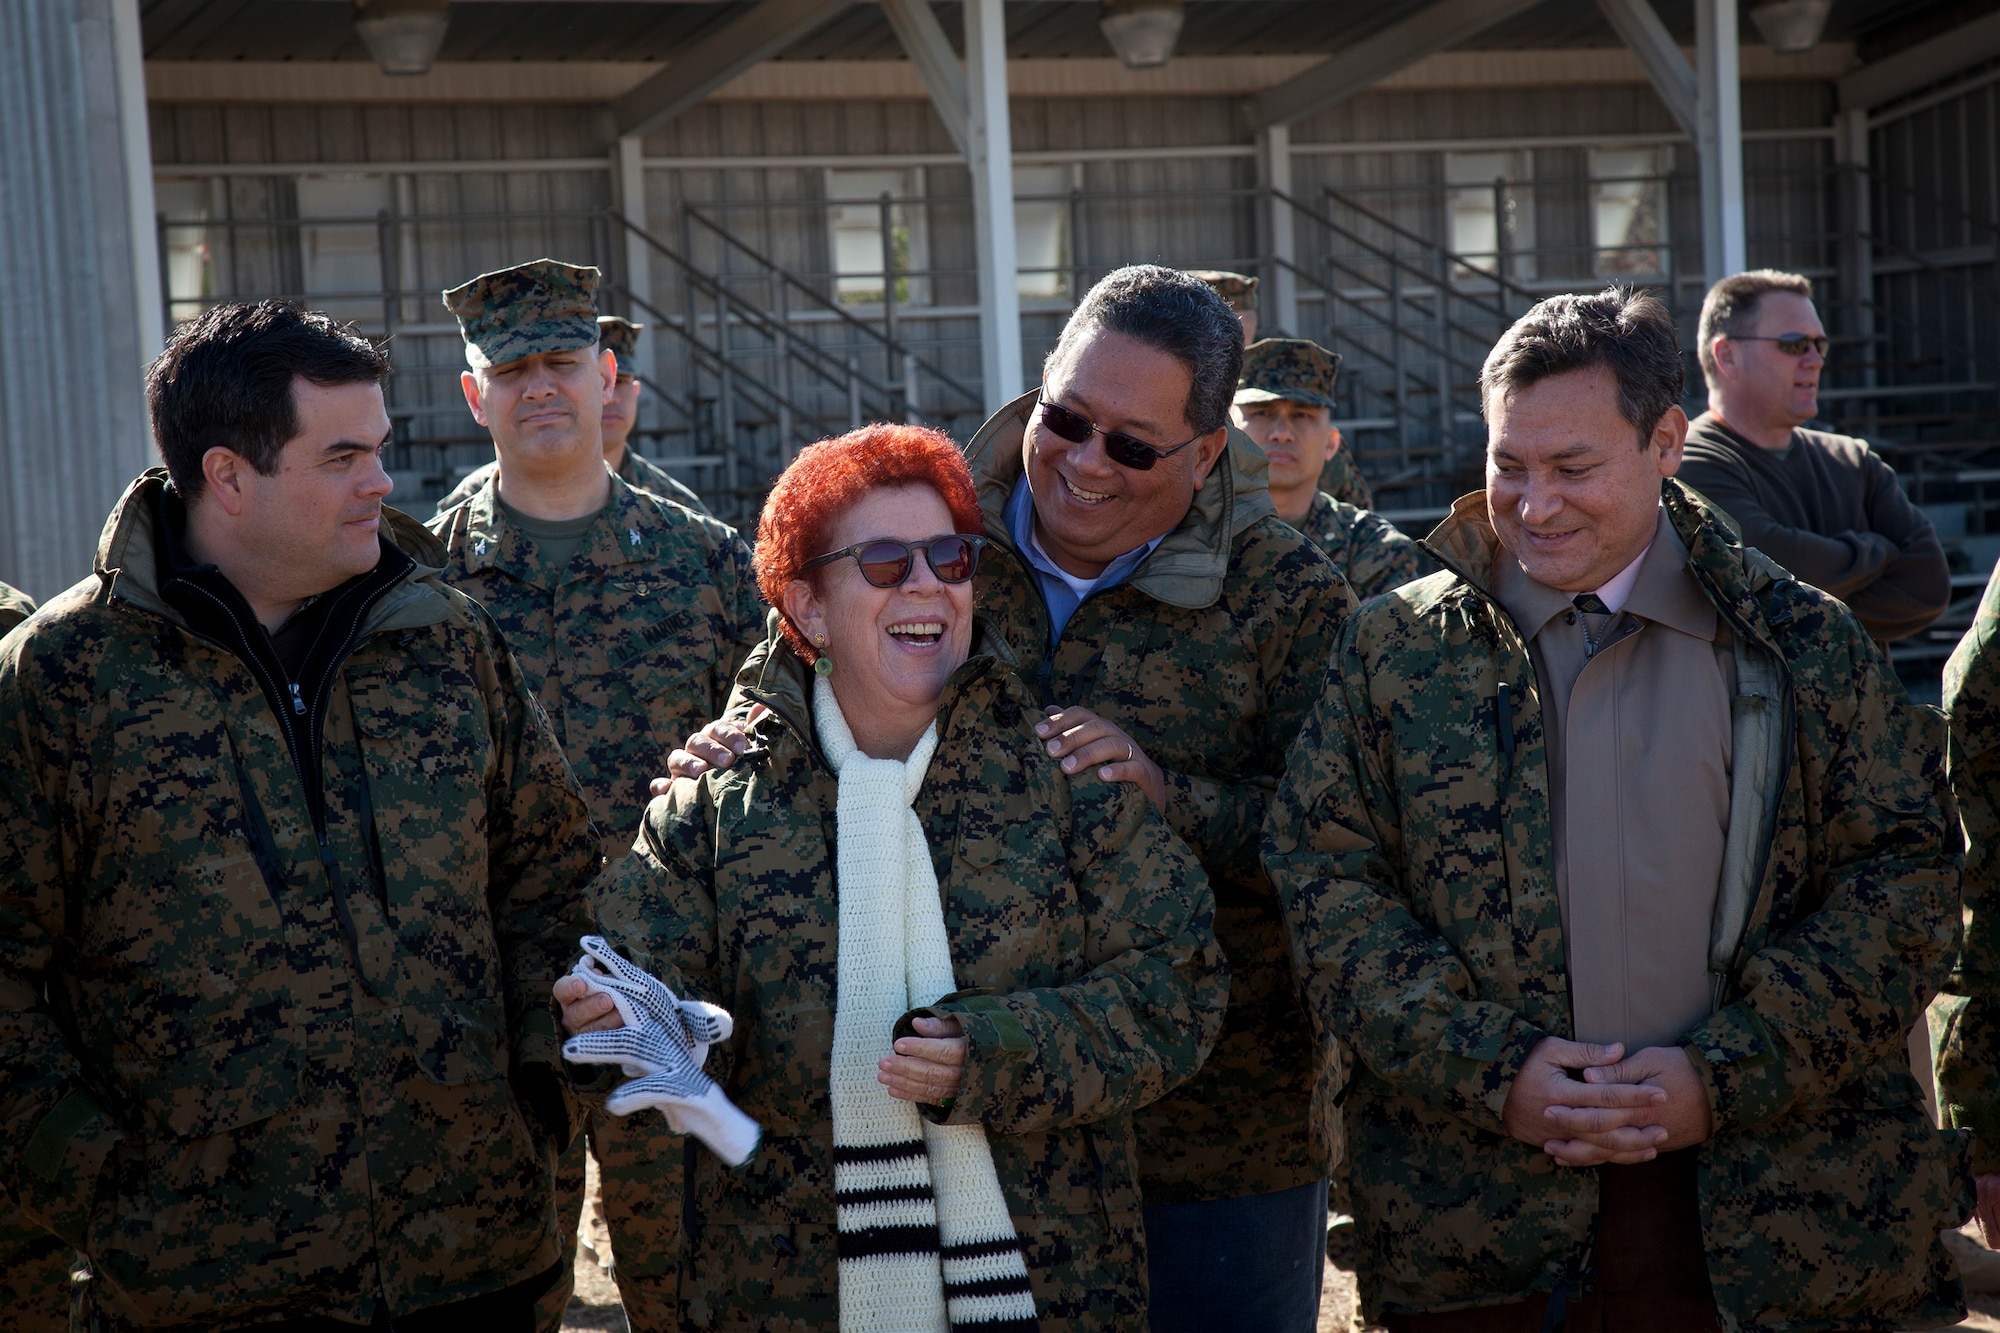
column 1791, row 344
column 1122, row 448
column 887, row 563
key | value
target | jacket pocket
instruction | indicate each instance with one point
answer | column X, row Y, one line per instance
column 455, row 1043
column 215, row 1088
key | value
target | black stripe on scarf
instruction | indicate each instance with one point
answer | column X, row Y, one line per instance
column 980, row 1249
column 886, row 1194
column 998, row 1326
column 886, row 1240
column 881, row 1152
column 988, row 1286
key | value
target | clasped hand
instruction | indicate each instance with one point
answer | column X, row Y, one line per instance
column 1588, row 1105
column 927, row 1068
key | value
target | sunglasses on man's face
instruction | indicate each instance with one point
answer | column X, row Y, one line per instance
column 886, row 562
column 1120, row 447
column 1791, row 344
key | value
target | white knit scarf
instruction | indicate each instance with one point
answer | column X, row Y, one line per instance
column 925, row 1242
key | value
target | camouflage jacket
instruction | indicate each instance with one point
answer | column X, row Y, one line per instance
column 1966, row 1023
column 1340, row 476
column 239, row 1106
column 630, row 648
column 1081, row 930
column 1411, row 846
column 641, row 474
column 1363, row 545
column 15, row 607
column 1210, row 655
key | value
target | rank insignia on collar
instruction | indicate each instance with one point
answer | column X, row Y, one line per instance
column 479, row 547
column 633, row 533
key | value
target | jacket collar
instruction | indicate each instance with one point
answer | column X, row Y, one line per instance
column 628, row 531
column 1188, row 567
column 1661, row 594
column 1732, row 577
column 127, row 562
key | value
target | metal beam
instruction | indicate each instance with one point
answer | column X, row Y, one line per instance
column 1280, row 288
column 716, row 59
column 1653, row 46
column 1925, row 63
column 1724, row 249
column 937, row 64
column 1366, row 64
column 991, row 136
column 629, row 180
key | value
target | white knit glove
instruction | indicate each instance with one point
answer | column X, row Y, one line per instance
column 662, row 1047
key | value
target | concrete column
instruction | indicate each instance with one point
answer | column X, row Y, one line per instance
column 1719, row 94
column 81, row 311
column 1280, row 289
column 1857, row 246
column 629, row 176
column 992, row 161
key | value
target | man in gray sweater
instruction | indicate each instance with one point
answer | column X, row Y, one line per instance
column 1825, row 506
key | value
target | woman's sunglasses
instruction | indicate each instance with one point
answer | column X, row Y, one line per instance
column 1122, row 448
column 1791, row 344
column 887, row 563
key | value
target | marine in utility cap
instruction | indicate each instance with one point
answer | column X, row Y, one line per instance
column 1240, row 290
column 541, row 306
column 627, row 615
column 1284, row 402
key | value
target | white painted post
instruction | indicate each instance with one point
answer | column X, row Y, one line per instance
column 992, row 163
column 1280, row 305
column 631, row 179
column 1719, row 91
column 137, row 134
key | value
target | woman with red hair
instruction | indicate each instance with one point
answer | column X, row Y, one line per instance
column 951, row 971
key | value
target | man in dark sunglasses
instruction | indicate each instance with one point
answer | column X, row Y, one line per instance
column 1825, row 506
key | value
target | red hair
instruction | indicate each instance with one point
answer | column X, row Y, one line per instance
column 826, row 480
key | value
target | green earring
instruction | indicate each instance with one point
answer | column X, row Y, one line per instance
column 822, row 664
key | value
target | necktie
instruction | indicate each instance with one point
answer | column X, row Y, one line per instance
column 1596, row 619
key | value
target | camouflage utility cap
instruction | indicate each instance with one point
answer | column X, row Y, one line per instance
column 620, row 337
column 1236, row 288
column 542, row 306
column 1292, row 368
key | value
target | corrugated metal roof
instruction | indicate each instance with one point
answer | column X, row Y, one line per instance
column 654, row 30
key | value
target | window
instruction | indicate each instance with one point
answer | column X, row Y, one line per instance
column 340, row 245
column 1628, row 213
column 184, row 247
column 1490, row 214
column 1041, row 231
column 855, row 220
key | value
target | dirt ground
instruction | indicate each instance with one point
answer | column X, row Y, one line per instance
column 595, row 1305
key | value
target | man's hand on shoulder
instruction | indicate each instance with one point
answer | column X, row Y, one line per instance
column 715, row 747
column 1584, row 1123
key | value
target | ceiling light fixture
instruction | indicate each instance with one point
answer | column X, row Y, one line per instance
column 1791, row 27
column 402, row 35
column 1142, row 32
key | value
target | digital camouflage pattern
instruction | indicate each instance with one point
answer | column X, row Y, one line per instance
column 15, row 607
column 233, row 1114
column 1294, row 369
column 541, row 306
column 1340, row 476
column 1411, row 846
column 1239, row 289
column 620, row 337
column 1964, row 1021
column 630, row 648
column 1210, row 657
column 1364, row 546
column 641, row 474
column 1081, row 931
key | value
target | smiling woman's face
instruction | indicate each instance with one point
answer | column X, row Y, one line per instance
column 893, row 649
